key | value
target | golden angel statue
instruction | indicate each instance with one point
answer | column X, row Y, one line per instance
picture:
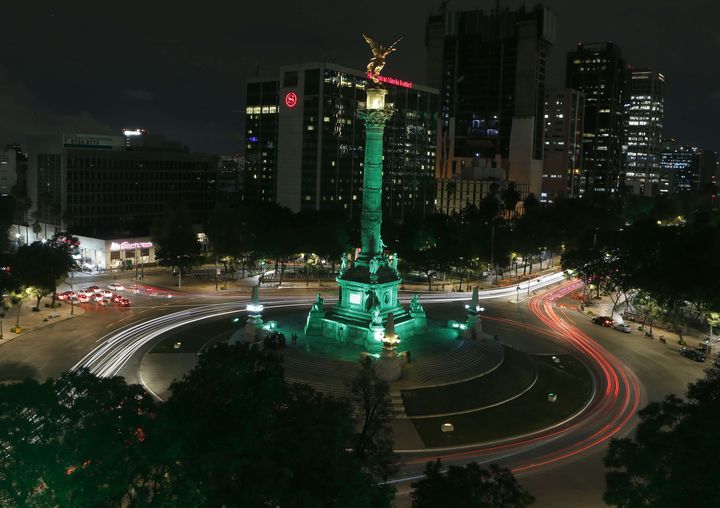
column 380, row 54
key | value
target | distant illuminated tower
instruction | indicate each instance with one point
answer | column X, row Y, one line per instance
column 644, row 114
column 599, row 71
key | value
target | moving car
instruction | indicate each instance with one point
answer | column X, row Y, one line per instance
column 603, row 321
column 83, row 297
column 106, row 293
column 116, row 298
column 92, row 289
column 693, row 354
column 124, row 302
column 115, row 287
column 622, row 327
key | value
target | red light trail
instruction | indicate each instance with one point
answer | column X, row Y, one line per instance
column 618, row 394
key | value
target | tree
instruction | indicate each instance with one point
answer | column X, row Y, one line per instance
column 41, row 266
column 373, row 440
column 177, row 242
column 287, row 442
column 77, row 441
column 469, row 486
column 671, row 459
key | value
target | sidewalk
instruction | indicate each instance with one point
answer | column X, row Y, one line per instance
column 30, row 320
column 603, row 307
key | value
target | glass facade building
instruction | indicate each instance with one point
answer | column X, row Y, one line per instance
column 319, row 148
column 644, row 114
column 491, row 70
column 261, row 122
column 599, row 71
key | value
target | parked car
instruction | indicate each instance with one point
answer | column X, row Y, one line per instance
column 115, row 287
column 693, row 354
column 603, row 321
column 622, row 327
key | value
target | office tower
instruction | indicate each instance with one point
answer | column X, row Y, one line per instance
column 320, row 144
column 680, row 166
column 96, row 183
column 599, row 71
column 563, row 173
column 644, row 114
column 490, row 68
column 261, row 118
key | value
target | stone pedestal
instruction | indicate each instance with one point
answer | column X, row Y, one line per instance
column 389, row 367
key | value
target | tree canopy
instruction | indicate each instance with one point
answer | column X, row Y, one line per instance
column 469, row 486
column 671, row 460
column 233, row 433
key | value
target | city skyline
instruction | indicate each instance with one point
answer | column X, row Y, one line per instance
column 182, row 72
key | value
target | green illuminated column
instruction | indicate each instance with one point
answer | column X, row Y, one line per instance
column 374, row 115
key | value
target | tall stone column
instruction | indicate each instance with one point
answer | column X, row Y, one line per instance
column 375, row 115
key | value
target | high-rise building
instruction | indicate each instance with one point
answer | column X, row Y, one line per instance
column 318, row 148
column 644, row 114
column 97, row 184
column 562, row 162
column 680, row 166
column 261, row 131
column 490, row 68
column 599, row 71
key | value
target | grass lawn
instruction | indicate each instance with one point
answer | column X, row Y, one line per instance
column 532, row 411
column 514, row 375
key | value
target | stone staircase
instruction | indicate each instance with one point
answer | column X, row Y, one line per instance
column 466, row 360
column 398, row 406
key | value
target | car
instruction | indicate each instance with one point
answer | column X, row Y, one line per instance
column 124, row 302
column 66, row 295
column 106, row 293
column 602, row 321
column 97, row 297
column 622, row 327
column 115, row 287
column 693, row 354
column 92, row 289
column 83, row 297
column 116, row 298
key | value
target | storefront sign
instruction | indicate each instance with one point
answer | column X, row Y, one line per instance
column 130, row 245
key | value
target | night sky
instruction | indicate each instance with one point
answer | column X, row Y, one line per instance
column 179, row 67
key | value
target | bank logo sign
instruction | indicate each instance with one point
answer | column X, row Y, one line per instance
column 93, row 141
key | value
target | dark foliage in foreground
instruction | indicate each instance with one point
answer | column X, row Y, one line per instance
column 233, row 433
column 469, row 486
column 671, row 461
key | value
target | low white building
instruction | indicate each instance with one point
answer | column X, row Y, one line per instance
column 95, row 254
